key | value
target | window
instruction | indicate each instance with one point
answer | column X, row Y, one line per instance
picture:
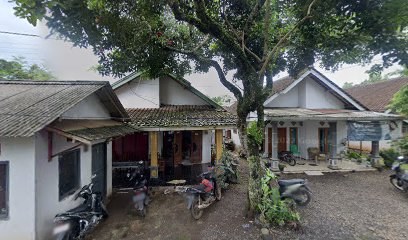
column 228, row 134
column 293, row 136
column 69, row 173
column 4, row 175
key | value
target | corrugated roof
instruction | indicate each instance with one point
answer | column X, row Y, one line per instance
column 28, row 106
column 93, row 134
column 300, row 114
column 180, row 116
column 377, row 96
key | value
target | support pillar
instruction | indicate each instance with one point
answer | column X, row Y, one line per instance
column 218, row 145
column 154, row 154
column 375, row 154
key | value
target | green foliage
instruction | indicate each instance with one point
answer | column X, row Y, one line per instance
column 347, row 85
column 402, row 145
column 222, row 100
column 352, row 154
column 254, row 132
column 227, row 170
column 272, row 208
column 399, row 102
column 389, row 155
column 19, row 69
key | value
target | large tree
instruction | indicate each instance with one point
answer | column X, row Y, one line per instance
column 18, row 69
column 254, row 39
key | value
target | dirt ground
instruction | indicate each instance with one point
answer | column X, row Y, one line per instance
column 361, row 205
column 168, row 218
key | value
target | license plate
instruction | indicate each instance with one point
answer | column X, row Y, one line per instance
column 61, row 228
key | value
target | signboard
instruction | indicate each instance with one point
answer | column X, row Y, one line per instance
column 368, row 131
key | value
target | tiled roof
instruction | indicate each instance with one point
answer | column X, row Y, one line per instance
column 28, row 106
column 180, row 116
column 301, row 114
column 377, row 96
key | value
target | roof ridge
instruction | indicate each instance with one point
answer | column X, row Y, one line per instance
column 379, row 82
column 53, row 82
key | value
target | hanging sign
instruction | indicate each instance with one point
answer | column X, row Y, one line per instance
column 368, row 131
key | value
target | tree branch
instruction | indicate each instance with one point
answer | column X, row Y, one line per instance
column 283, row 39
column 231, row 87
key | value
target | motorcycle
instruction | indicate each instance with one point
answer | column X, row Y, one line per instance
column 295, row 189
column 77, row 222
column 286, row 156
column 202, row 196
column 400, row 179
column 140, row 189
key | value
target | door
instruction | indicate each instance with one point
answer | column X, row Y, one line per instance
column 99, row 168
column 177, row 148
column 270, row 142
column 196, row 146
column 282, row 143
column 324, row 135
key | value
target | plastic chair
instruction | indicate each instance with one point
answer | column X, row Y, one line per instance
column 295, row 151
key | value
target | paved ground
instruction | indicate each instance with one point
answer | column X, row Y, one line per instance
column 360, row 205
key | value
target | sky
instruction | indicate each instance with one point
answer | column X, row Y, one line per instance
column 72, row 63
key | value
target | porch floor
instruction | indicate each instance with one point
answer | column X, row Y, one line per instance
column 345, row 165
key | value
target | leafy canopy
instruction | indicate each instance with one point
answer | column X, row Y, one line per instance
column 19, row 69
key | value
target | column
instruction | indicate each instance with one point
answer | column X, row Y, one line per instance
column 153, row 153
column 218, row 145
column 375, row 149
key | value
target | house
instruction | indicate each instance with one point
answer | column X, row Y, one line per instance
column 55, row 137
column 376, row 97
column 180, row 130
column 311, row 111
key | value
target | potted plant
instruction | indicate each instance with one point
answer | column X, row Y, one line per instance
column 281, row 167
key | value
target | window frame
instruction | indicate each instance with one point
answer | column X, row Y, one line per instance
column 5, row 216
column 78, row 183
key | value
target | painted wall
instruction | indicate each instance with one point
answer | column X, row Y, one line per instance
column 318, row 97
column 172, row 93
column 290, row 99
column 90, row 108
column 21, row 222
column 140, row 93
column 307, row 94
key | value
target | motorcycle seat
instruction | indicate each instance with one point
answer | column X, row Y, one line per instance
column 290, row 182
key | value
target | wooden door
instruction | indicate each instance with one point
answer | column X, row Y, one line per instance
column 282, row 141
column 324, row 140
column 270, row 142
column 178, row 153
column 196, row 146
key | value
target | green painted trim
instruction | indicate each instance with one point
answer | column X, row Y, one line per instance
column 126, row 79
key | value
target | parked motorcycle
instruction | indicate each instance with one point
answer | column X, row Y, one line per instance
column 201, row 196
column 400, row 179
column 140, row 189
column 77, row 222
column 295, row 189
column 286, row 156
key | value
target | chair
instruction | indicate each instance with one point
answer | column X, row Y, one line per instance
column 295, row 151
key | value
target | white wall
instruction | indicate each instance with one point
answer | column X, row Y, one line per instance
column 307, row 94
column 90, row 108
column 138, row 93
column 21, row 222
column 172, row 93
column 47, row 176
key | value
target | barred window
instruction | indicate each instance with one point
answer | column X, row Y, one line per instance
column 4, row 178
column 69, row 173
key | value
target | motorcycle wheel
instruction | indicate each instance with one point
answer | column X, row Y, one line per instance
column 196, row 213
column 302, row 197
column 397, row 183
column 218, row 194
column 291, row 161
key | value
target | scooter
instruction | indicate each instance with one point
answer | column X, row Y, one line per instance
column 140, row 189
column 77, row 222
column 400, row 179
column 202, row 196
column 286, row 156
column 295, row 189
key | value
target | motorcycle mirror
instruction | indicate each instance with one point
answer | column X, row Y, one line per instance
column 400, row 157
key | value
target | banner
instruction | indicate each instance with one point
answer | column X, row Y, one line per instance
column 368, row 131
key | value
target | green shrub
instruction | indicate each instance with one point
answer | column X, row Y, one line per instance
column 389, row 155
column 227, row 170
column 274, row 210
column 355, row 155
column 255, row 133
